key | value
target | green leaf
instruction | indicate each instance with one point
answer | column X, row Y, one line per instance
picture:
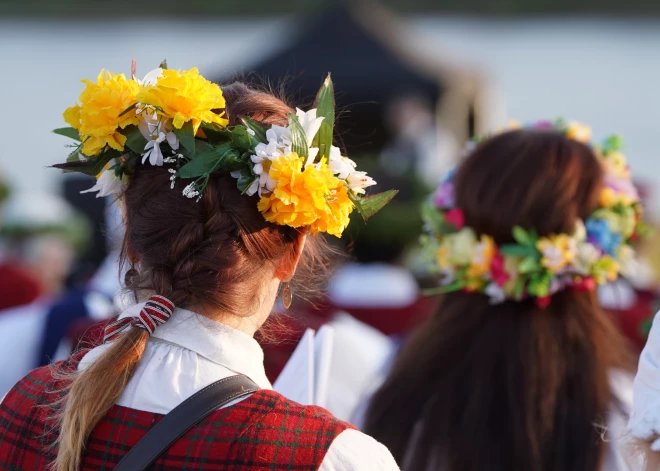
column 258, row 129
column 613, row 143
column 216, row 158
column 518, row 250
column 68, row 132
column 450, row 288
column 246, row 182
column 240, row 138
column 521, row 236
column 134, row 139
column 529, row 264
column 186, row 136
column 163, row 64
column 370, row 205
column 74, row 156
column 298, row 138
column 216, row 134
column 132, row 107
column 325, row 107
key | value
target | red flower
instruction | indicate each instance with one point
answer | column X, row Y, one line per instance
column 586, row 283
column 543, row 302
column 455, row 217
column 497, row 271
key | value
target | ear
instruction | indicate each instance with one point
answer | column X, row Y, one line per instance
column 286, row 268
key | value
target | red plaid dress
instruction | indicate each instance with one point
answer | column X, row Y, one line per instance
column 263, row 432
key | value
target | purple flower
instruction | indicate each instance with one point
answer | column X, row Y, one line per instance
column 543, row 125
column 444, row 197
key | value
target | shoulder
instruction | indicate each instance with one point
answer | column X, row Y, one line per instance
column 314, row 428
column 281, row 409
column 352, row 450
column 40, row 386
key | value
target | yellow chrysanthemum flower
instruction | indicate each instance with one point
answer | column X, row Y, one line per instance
column 97, row 117
column 482, row 256
column 311, row 197
column 578, row 132
column 185, row 96
column 557, row 250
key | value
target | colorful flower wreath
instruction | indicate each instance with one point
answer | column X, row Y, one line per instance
column 537, row 267
column 177, row 118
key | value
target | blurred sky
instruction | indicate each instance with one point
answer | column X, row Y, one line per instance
column 603, row 72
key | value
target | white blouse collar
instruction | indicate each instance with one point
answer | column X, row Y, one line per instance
column 212, row 340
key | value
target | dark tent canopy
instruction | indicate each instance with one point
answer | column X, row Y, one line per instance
column 359, row 46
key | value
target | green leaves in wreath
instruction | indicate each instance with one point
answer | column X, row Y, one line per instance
column 367, row 206
column 223, row 157
column 135, row 141
column 525, row 249
column 91, row 167
column 298, row 138
column 325, row 107
column 257, row 128
column 68, row 132
column 186, row 136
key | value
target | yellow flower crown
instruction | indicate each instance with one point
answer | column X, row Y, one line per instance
column 536, row 267
column 177, row 118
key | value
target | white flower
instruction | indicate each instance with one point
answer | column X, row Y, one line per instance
column 495, row 293
column 580, row 232
column 152, row 77
column 310, row 123
column 358, row 181
column 156, row 131
column 190, row 191
column 340, row 166
column 279, row 144
column 108, row 183
column 628, row 262
column 587, row 254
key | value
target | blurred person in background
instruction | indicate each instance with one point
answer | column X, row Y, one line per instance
column 418, row 146
column 17, row 285
column 42, row 234
column 519, row 368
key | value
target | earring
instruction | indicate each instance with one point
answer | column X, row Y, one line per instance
column 287, row 296
column 129, row 275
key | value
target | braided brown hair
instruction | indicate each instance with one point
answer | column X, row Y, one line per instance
column 208, row 253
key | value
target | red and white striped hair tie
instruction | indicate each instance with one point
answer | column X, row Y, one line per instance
column 156, row 311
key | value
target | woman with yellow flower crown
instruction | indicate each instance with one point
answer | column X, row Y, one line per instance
column 223, row 192
column 519, row 369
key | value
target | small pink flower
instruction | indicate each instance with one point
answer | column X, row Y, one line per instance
column 586, row 283
column 497, row 270
column 455, row 217
column 543, row 302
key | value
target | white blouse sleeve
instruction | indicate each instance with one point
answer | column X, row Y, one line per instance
column 354, row 451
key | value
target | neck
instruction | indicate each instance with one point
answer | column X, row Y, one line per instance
column 248, row 324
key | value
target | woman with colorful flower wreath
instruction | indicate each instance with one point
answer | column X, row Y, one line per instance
column 223, row 191
column 519, row 369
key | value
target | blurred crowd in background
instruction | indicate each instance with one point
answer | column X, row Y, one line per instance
column 412, row 88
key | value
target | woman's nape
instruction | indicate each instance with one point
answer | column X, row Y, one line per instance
column 508, row 386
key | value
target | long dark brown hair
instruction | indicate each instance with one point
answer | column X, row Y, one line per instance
column 206, row 254
column 512, row 386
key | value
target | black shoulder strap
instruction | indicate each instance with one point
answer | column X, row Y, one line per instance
column 182, row 418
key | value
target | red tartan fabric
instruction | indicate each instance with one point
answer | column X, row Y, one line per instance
column 263, row 432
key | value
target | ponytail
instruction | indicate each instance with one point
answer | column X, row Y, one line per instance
column 91, row 393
